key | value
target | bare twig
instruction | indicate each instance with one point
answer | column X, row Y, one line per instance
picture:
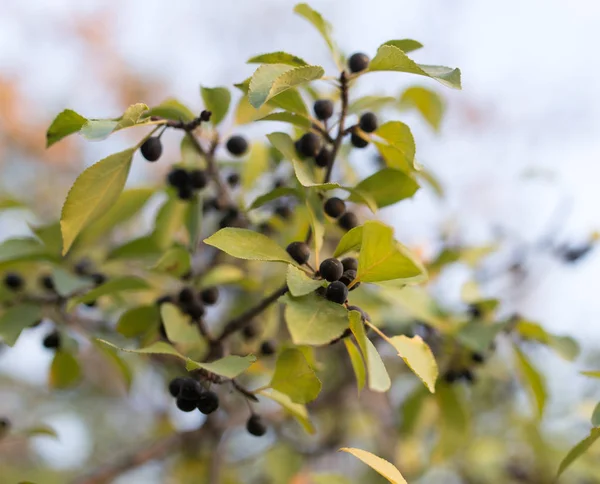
column 341, row 133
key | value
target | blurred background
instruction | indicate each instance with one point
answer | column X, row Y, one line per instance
column 517, row 153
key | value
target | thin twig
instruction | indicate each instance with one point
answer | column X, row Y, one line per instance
column 341, row 133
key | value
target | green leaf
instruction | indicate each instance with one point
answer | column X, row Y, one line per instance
column 327, row 478
column 596, row 416
column 370, row 103
column 381, row 258
column 297, row 410
column 399, row 136
column 362, row 197
column 228, row 367
column 455, row 425
column 246, row 113
column 379, row 465
column 386, row 187
column 256, row 165
column 313, row 320
column 158, row 348
column 216, row 100
column 23, row 249
column 378, row 377
column 65, row 370
column 7, row 203
column 290, row 100
column 16, row 319
column 113, row 358
column 278, row 58
column 295, row 378
column 478, row 336
column 172, row 109
column 419, row 358
column 66, row 123
column 317, row 20
column 169, row 220
column 578, row 450
column 93, row 193
column 358, row 364
column 591, row 374
column 350, row 241
column 271, row 79
column 222, row 274
column 565, row 346
column 39, row 430
column 249, row 245
column 394, row 158
column 66, row 283
column 111, row 287
column 50, row 235
column 129, row 203
column 175, row 261
column 179, row 328
column 405, row 45
column 138, row 321
column 287, row 117
column 273, row 195
column 426, row 102
column 99, row 129
column 391, row 58
column 140, row 248
column 533, row 380
column 299, row 283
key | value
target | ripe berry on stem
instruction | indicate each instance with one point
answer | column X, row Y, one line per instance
column 309, row 145
column 358, row 62
column 267, row 348
column 255, row 426
column 368, row 122
column 347, row 277
column 331, row 269
column 350, row 264
column 323, row 109
column 348, row 221
column 233, row 179
column 186, row 405
column 210, row 295
column 47, row 282
column 13, row 281
column 175, row 386
column 208, row 402
column 337, row 292
column 334, row 207
column 299, row 251
column 151, row 149
column 52, row 340
column 198, row 179
column 189, row 389
column 237, row 145
column 323, row 158
column 358, row 141
column 178, row 177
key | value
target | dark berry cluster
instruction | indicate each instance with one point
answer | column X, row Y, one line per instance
column 187, row 182
column 336, row 208
column 191, row 395
column 340, row 274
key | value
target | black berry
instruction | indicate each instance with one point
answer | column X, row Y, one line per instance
column 233, row 179
column 323, row 158
column 164, row 299
column 13, row 281
column 82, row 267
column 237, row 145
column 189, row 389
column 256, row 426
column 284, row 211
column 299, row 251
column 194, row 309
column 348, row 221
column 475, row 311
column 347, row 277
column 175, row 386
column 98, row 278
column 451, row 376
column 186, row 405
column 309, row 145
column 331, row 269
column 185, row 193
column 249, row 332
column 334, row 207
column 267, row 348
column 337, row 292
column 357, row 141
column 198, row 179
column 368, row 122
column 47, row 282
column 350, row 264
column 208, row 402
column 52, row 340
column 210, row 295
column 186, row 295
column 323, row 109
column 178, row 177
column 478, row 357
column 358, row 62
column 152, row 149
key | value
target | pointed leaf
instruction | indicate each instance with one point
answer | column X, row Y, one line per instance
column 379, row 465
column 93, row 193
column 399, row 136
column 179, row 327
column 350, row 241
column 317, row 20
column 299, row 283
column 290, row 100
column 16, row 319
column 138, row 321
column 391, row 58
column 297, row 410
column 287, row 117
column 66, row 123
column 358, row 364
column 158, row 348
column 255, row 165
column 405, row 45
column 533, row 381
column 419, row 358
column 278, row 58
column 295, row 378
column 172, row 109
column 313, row 320
column 578, row 450
column 386, row 187
column 98, row 129
column 65, row 370
column 273, row 195
column 426, row 102
column 370, row 103
column 272, row 79
column 249, row 245
column 228, row 367
column 596, row 416
column 112, row 286
column 175, row 261
column 216, row 100
column 66, row 283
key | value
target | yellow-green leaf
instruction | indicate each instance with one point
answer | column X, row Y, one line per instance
column 386, row 187
column 271, row 79
column 379, row 465
column 249, row 245
column 179, row 328
column 278, row 58
column 350, row 241
column 228, row 367
column 255, row 165
column 427, row 102
column 172, row 109
column 391, row 58
column 16, row 319
column 405, row 45
column 158, row 348
column 66, row 123
column 93, row 193
column 399, row 136
column 287, row 117
column 297, row 410
column 65, row 371
column 216, row 100
column 419, row 358
column 299, row 283
column 137, row 321
column 175, row 261
column 357, row 362
column 112, row 286
column 533, row 381
column 578, row 450
column 317, row 20
column 294, row 377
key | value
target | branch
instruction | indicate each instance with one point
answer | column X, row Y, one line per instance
column 341, row 131
column 244, row 319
